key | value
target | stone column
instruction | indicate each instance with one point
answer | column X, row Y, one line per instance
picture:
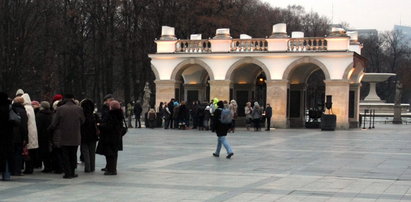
column 397, row 105
column 220, row 89
column 277, row 98
column 354, row 121
column 339, row 89
column 165, row 90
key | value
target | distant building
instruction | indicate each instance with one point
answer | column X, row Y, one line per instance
column 362, row 33
column 365, row 33
column 406, row 30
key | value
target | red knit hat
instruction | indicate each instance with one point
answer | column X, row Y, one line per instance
column 35, row 104
column 57, row 97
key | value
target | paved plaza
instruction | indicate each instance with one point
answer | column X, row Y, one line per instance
column 280, row 165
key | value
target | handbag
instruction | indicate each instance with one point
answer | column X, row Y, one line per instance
column 14, row 117
column 25, row 153
column 124, row 128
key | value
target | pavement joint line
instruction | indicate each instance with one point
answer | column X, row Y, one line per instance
column 281, row 175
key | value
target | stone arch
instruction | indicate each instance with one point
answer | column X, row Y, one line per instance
column 191, row 61
column 305, row 60
column 248, row 60
column 155, row 71
column 347, row 71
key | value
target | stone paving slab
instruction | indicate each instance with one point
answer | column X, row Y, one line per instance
column 280, row 165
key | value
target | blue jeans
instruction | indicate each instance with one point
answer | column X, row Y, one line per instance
column 223, row 140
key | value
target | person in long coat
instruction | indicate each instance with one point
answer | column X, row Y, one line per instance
column 137, row 114
column 6, row 138
column 183, row 115
column 256, row 114
column 268, row 114
column 234, row 112
column 111, row 138
column 248, row 117
column 68, row 120
column 43, row 121
column 32, row 134
column 221, row 130
column 89, row 136
column 20, row 137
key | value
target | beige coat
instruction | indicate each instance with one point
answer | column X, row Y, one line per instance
column 31, row 123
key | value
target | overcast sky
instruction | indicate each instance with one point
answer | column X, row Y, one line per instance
column 361, row 14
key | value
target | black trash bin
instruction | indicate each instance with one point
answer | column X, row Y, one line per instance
column 328, row 122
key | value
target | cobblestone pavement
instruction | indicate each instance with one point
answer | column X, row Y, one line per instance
column 280, row 165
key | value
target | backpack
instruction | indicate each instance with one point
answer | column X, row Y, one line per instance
column 226, row 116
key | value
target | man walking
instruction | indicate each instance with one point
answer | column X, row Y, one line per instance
column 221, row 128
column 268, row 113
column 68, row 120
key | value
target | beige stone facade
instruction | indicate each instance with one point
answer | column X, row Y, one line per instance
column 274, row 71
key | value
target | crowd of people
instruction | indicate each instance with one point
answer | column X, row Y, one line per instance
column 47, row 135
column 196, row 115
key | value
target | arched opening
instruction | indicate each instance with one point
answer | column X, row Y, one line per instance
column 306, row 96
column 193, row 84
column 248, row 84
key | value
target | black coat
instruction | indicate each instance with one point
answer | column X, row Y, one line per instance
column 183, row 113
column 268, row 112
column 220, row 128
column 6, row 136
column 137, row 110
column 43, row 121
column 170, row 107
column 110, row 134
column 89, row 129
column 104, row 112
column 20, row 132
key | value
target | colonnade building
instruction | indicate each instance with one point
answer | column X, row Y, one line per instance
column 293, row 74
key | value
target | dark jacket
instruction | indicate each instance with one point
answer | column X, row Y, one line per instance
column 137, row 110
column 6, row 141
column 183, row 113
column 175, row 113
column 170, row 107
column 67, row 122
column 43, row 121
column 89, row 129
column 104, row 112
column 20, row 132
column 207, row 115
column 268, row 112
column 220, row 128
column 110, row 137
